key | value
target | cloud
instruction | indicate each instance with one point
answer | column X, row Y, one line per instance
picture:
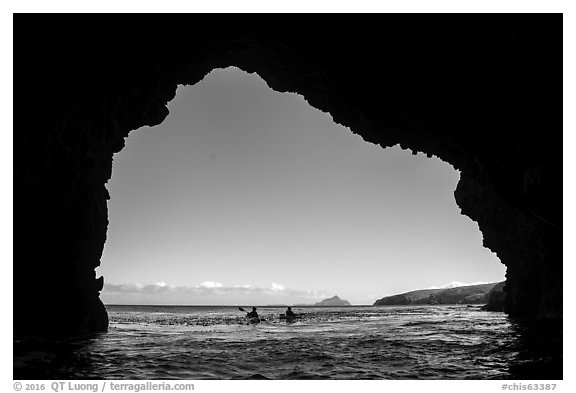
column 455, row 284
column 207, row 292
column 245, row 286
column 211, row 284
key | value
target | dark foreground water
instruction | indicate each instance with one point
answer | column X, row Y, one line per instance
column 427, row 342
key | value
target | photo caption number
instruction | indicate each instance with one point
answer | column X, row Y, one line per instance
column 529, row 386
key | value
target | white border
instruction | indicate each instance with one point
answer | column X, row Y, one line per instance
column 6, row 157
column 313, row 6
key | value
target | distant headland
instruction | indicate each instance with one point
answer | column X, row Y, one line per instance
column 490, row 294
column 333, row 301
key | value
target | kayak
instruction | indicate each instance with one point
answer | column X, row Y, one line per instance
column 254, row 320
column 290, row 318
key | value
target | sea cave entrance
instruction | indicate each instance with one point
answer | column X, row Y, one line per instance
column 244, row 195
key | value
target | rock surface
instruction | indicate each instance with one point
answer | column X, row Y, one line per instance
column 333, row 301
column 496, row 298
column 486, row 100
column 470, row 294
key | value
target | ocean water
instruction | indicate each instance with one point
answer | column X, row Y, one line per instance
column 415, row 342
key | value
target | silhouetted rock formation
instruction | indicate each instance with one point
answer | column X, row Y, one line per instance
column 482, row 92
column 333, row 301
column 470, row 294
column 495, row 298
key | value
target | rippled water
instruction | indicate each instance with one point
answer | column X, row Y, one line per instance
column 427, row 342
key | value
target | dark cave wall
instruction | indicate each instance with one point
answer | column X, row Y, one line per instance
column 486, row 100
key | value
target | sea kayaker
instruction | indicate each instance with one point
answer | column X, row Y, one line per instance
column 290, row 313
column 252, row 314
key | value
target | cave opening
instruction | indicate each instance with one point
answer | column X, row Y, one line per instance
column 478, row 100
column 246, row 195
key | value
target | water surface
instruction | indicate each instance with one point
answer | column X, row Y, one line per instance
column 423, row 342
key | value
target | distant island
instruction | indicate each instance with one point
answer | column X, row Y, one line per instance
column 333, row 301
column 470, row 294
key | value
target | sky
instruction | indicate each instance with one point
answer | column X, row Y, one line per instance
column 248, row 196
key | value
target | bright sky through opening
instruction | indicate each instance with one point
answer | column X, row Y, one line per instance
column 248, row 196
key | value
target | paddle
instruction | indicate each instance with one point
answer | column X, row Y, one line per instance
column 261, row 319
